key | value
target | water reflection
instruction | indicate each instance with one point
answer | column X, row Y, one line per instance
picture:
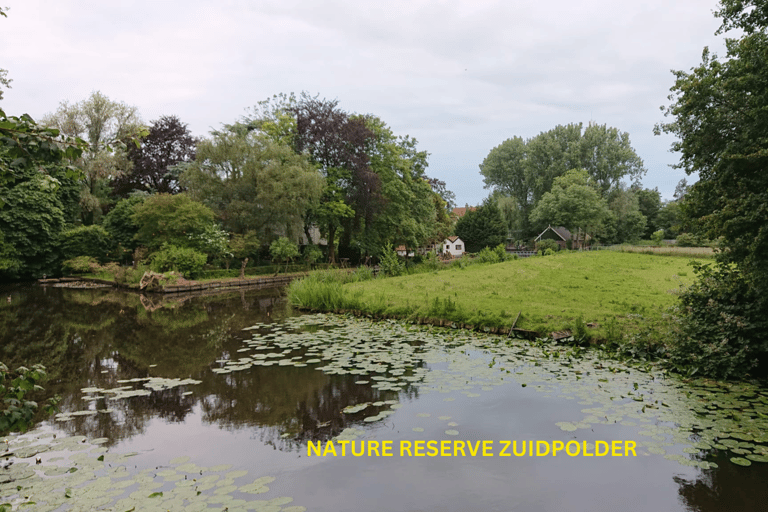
column 100, row 338
column 727, row 488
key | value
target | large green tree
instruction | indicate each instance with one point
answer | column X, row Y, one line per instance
column 482, row 227
column 36, row 187
column 573, row 202
column 253, row 183
column 107, row 125
column 526, row 169
column 720, row 122
column 173, row 219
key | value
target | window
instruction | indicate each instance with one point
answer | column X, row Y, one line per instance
column 447, row 247
column 458, row 247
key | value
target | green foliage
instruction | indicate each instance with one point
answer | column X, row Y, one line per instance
column 91, row 241
column 17, row 413
column 252, row 182
column 312, row 254
column 172, row 219
column 657, row 237
column 573, row 202
column 721, row 326
column 107, row 125
column 36, row 188
column 626, row 222
column 181, row 259
column 120, row 224
column 482, row 227
column 669, row 219
column 283, row 250
column 212, row 241
column 244, row 246
column 488, row 255
column 81, row 265
column 687, row 240
column 580, row 330
column 718, row 111
column 389, row 263
column 547, row 245
column 548, row 252
column 525, row 170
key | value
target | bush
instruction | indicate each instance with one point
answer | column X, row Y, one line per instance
column 657, row 237
column 17, row 413
column 548, row 252
column 543, row 245
column 91, row 241
column 390, row 264
column 687, row 240
column 720, row 329
column 181, row 259
column 81, row 265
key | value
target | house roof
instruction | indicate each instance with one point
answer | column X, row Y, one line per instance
column 400, row 248
column 560, row 231
column 453, row 238
column 460, row 212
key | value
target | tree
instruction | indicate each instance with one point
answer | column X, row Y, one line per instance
column 283, row 250
column 526, row 169
column 107, row 125
column 242, row 247
column 35, row 184
column 252, row 183
column 573, row 203
column 626, row 223
column 718, row 119
column 649, row 202
column 506, row 170
column 482, row 227
column 409, row 212
column 168, row 143
column 669, row 219
column 120, row 224
column 171, row 219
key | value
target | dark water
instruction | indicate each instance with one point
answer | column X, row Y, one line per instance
column 261, row 419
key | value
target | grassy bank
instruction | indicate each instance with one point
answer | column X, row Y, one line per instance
column 614, row 291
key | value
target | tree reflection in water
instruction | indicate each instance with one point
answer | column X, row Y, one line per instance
column 727, row 488
column 97, row 338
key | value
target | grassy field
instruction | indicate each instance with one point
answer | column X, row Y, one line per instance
column 689, row 252
column 617, row 291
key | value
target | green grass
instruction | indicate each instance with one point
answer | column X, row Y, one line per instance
column 689, row 252
column 618, row 291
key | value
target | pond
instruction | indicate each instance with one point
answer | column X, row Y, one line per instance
column 234, row 402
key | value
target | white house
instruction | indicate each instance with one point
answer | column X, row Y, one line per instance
column 401, row 251
column 454, row 246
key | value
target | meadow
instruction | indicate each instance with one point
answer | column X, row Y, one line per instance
column 610, row 292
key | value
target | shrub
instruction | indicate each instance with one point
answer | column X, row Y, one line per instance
column 543, row 245
column 487, row 255
column 657, row 237
column 119, row 222
column 721, row 324
column 548, row 252
column 91, row 241
column 686, row 240
column 81, row 265
column 17, row 413
column 390, row 264
column 181, row 259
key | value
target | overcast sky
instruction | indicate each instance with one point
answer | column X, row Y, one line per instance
column 459, row 76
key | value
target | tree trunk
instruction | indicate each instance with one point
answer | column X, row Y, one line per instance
column 242, row 268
